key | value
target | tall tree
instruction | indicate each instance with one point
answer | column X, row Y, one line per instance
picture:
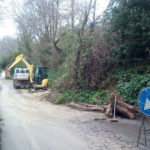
column 81, row 41
column 72, row 13
column 129, row 28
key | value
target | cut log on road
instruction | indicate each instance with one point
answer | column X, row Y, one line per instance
column 125, row 112
column 89, row 107
column 122, row 108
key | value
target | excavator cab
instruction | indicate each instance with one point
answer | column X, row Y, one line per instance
column 40, row 77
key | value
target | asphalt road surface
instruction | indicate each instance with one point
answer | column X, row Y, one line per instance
column 32, row 124
column 28, row 126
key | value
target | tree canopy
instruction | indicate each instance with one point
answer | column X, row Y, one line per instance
column 129, row 26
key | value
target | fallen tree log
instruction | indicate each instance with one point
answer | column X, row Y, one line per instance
column 125, row 112
column 92, row 105
column 122, row 108
column 88, row 107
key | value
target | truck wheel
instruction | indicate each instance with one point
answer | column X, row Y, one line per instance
column 15, row 86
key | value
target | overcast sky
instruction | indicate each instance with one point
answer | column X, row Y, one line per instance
column 8, row 28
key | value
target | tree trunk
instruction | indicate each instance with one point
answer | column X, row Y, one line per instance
column 88, row 107
column 81, row 34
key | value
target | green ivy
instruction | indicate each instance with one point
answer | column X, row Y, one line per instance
column 130, row 85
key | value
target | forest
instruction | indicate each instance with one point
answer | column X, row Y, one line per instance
column 88, row 56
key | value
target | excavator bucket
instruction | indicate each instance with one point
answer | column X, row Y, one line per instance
column 7, row 73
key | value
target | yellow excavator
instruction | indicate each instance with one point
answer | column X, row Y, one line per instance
column 38, row 77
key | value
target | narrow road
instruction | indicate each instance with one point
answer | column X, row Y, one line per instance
column 32, row 124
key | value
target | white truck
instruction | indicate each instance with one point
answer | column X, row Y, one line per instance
column 21, row 77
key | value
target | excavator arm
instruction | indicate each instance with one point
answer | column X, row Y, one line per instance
column 18, row 59
column 29, row 66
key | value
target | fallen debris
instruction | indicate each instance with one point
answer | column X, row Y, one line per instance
column 88, row 107
column 122, row 108
column 104, row 118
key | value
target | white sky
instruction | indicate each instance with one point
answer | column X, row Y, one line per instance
column 8, row 28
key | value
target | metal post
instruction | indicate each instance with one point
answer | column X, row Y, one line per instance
column 139, row 133
column 144, row 130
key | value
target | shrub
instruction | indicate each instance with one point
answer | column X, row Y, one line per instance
column 92, row 97
column 130, row 85
column 53, row 75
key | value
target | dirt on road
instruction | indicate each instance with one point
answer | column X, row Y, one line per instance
column 30, row 123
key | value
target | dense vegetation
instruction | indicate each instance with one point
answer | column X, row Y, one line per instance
column 88, row 56
column 129, row 30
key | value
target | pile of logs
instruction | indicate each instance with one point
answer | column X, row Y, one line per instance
column 122, row 108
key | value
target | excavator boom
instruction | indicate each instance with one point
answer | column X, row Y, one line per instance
column 18, row 59
column 29, row 66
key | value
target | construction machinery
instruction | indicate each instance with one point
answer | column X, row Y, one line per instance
column 21, row 78
column 38, row 78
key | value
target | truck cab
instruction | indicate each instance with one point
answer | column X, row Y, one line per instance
column 21, row 77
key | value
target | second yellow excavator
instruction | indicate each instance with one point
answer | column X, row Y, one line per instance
column 38, row 77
